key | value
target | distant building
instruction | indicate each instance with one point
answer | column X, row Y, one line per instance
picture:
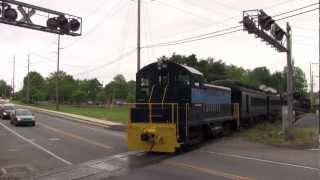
column 268, row 89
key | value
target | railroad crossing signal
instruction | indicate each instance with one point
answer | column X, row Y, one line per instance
column 48, row 21
column 264, row 27
column 265, row 21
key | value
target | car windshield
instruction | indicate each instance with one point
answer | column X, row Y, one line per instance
column 8, row 107
column 23, row 113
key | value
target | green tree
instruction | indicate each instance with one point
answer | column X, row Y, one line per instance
column 102, row 96
column 78, row 96
column 131, row 96
column 66, row 86
column 5, row 89
column 119, row 86
column 260, row 75
column 37, row 87
column 91, row 87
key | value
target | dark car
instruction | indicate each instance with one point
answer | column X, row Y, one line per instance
column 22, row 117
column 7, row 110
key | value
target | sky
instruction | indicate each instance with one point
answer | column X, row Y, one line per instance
column 107, row 45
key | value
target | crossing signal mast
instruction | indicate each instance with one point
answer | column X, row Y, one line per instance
column 20, row 14
column 263, row 26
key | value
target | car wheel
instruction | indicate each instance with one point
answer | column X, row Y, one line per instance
column 33, row 124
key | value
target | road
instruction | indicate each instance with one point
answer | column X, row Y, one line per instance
column 54, row 143
column 57, row 148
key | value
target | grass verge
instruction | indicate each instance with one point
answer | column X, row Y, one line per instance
column 115, row 114
column 271, row 133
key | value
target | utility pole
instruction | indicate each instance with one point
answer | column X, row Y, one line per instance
column 28, row 83
column 319, row 84
column 57, row 75
column 139, row 35
column 311, row 93
column 289, row 84
column 13, row 74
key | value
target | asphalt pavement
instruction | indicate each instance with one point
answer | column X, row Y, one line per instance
column 310, row 120
column 54, row 143
column 233, row 158
column 58, row 148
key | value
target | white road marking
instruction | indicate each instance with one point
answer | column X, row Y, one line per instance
column 262, row 160
column 314, row 149
column 36, row 145
column 54, row 139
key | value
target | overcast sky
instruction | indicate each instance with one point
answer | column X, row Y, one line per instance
column 109, row 30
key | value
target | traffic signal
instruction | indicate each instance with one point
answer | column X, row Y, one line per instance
column 265, row 21
column 249, row 24
column 277, row 32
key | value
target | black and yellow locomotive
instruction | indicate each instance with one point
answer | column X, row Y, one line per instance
column 174, row 107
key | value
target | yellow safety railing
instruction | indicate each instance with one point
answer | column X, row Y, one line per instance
column 173, row 108
column 236, row 113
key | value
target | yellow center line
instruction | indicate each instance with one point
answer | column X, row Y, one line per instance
column 206, row 170
column 76, row 136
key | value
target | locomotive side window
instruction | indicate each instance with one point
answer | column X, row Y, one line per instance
column 183, row 79
column 197, row 81
column 144, row 87
column 144, row 82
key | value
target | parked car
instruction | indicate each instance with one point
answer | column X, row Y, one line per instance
column 22, row 117
column 7, row 110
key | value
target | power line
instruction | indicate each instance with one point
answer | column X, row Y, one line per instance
column 192, row 40
column 192, row 37
column 116, row 8
column 119, row 58
column 212, row 34
column 304, row 12
column 304, row 7
column 54, row 61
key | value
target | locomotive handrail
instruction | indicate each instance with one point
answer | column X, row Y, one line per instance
column 236, row 113
column 164, row 94
column 151, row 93
column 173, row 106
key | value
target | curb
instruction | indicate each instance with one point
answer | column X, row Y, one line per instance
column 116, row 127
